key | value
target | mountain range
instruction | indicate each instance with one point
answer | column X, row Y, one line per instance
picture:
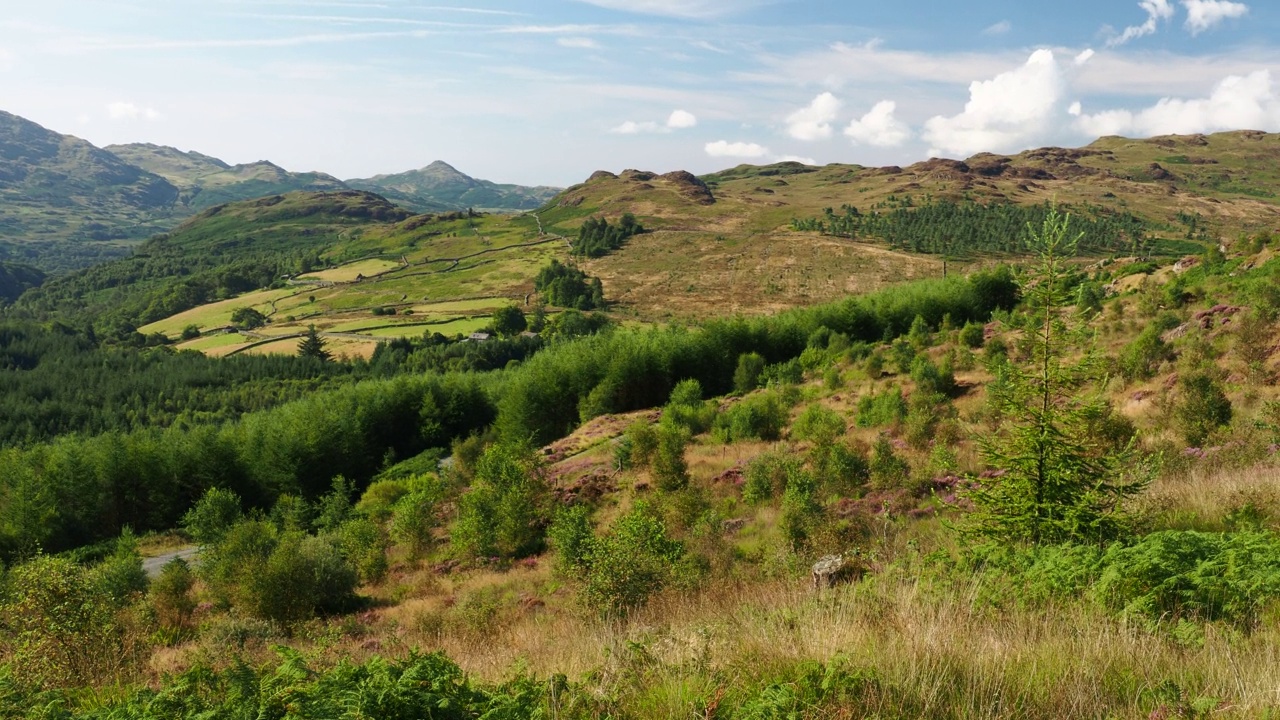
column 65, row 203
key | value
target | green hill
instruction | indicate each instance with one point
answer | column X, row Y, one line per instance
column 440, row 186
column 65, row 203
column 205, row 181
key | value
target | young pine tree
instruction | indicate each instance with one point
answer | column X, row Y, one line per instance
column 1060, row 482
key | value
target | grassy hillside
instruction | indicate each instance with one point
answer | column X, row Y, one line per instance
column 65, row 203
column 205, row 181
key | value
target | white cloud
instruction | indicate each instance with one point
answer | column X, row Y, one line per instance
column 1004, row 27
column 681, row 120
column 1157, row 10
column 1236, row 103
column 679, row 8
column 578, row 43
column 1002, row 113
column 1205, row 14
column 724, row 148
column 678, row 120
column 129, row 111
column 814, row 122
column 879, row 127
column 632, row 127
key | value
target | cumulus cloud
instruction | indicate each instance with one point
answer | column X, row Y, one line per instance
column 1157, row 11
column 724, row 148
column 1004, row 27
column 578, row 43
column 1205, row 14
column 130, row 111
column 814, row 122
column 677, row 120
column 1003, row 113
column 681, row 120
column 879, row 127
column 1238, row 102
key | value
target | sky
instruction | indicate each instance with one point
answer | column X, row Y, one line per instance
column 546, row 92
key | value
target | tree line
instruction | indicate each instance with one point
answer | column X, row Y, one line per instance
column 946, row 227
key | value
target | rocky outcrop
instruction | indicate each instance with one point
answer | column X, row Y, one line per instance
column 688, row 185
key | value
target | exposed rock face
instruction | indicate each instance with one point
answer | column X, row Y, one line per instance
column 1159, row 173
column 601, row 175
column 690, row 186
column 833, row 569
column 637, row 175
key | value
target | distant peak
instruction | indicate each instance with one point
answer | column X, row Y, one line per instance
column 441, row 165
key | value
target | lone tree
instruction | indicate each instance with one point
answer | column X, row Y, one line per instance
column 246, row 318
column 509, row 320
column 312, row 346
column 1057, row 478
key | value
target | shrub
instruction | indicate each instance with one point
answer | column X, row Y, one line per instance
column 1139, row 359
column 767, row 476
column 642, row 442
column 686, row 408
column 747, row 375
column 881, row 409
column 800, row 509
column 413, row 517
column 887, row 469
column 364, row 544
column 759, row 417
column 670, row 471
column 120, row 576
column 572, row 538
column 630, row 563
column 504, row 513
column 971, row 335
column 208, row 520
column 60, row 626
column 1203, row 409
column 171, row 595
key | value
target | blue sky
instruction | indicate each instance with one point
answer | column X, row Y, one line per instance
column 547, row 92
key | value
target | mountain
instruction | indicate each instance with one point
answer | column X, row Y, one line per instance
column 205, row 181
column 440, row 186
column 65, row 203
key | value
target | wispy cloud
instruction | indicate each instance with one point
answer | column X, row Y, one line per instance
column 1157, row 11
column 1004, row 27
column 1205, row 14
column 122, row 110
column 578, row 43
column 692, row 9
column 93, row 45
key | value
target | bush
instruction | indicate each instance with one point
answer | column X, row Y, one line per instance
column 670, row 471
column 208, row 520
column 364, row 544
column 1139, row 359
column 767, row 476
column 642, row 442
column 630, row 563
column 286, row 577
column 171, row 595
column 887, row 470
column 60, row 626
column 971, row 335
column 881, row 409
column 504, row 513
column 1203, row 409
column 759, row 417
column 572, row 538
column 687, row 409
column 747, row 375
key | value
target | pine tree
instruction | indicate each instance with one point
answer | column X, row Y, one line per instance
column 1057, row 480
column 312, row 346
